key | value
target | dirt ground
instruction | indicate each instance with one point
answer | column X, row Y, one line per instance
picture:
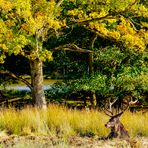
column 73, row 142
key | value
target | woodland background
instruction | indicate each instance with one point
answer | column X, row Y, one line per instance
column 94, row 50
column 71, row 55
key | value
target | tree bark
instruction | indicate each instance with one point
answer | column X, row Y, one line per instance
column 93, row 100
column 91, row 72
column 38, row 95
column 90, row 61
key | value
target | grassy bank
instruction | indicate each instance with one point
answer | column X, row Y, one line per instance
column 59, row 122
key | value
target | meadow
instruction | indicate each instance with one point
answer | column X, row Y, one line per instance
column 58, row 122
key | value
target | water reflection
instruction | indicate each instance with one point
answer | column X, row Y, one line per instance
column 26, row 88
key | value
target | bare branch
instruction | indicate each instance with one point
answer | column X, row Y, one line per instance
column 72, row 47
column 93, row 41
column 16, row 77
column 59, row 3
column 108, row 16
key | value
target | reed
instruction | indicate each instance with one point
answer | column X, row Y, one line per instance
column 136, row 123
column 59, row 121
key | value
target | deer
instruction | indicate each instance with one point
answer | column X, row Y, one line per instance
column 117, row 128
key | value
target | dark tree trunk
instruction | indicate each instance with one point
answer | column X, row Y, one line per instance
column 38, row 95
column 91, row 72
column 93, row 100
column 90, row 60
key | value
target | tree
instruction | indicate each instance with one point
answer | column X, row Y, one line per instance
column 119, row 23
column 24, row 27
column 124, row 23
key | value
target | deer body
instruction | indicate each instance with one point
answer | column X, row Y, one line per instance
column 117, row 128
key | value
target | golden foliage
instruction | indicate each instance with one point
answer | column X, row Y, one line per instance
column 5, row 5
column 27, row 23
column 111, row 13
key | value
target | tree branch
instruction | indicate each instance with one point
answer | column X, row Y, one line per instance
column 16, row 77
column 72, row 47
column 107, row 16
column 93, row 40
column 59, row 3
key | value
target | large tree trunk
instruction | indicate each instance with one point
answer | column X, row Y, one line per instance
column 38, row 95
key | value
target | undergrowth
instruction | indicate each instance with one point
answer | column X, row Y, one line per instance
column 62, row 122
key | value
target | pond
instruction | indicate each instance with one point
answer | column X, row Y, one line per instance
column 20, row 86
column 26, row 88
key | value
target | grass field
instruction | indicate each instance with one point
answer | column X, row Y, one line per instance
column 62, row 124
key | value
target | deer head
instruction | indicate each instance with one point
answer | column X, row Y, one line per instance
column 113, row 121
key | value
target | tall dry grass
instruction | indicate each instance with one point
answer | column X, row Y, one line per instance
column 62, row 122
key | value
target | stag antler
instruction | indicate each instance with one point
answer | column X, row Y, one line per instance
column 109, row 111
column 132, row 102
